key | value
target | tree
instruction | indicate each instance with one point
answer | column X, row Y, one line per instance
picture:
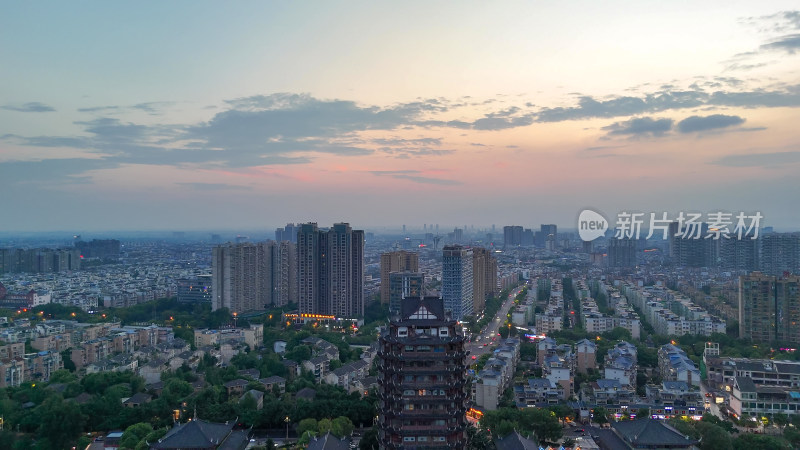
column 780, row 419
column 309, row 424
column 749, row 441
column 62, row 376
column 600, row 415
column 323, row 426
column 562, row 411
column 60, row 422
column 305, row 438
column 715, row 438
column 133, row 434
column 370, row 440
column 643, row 413
column 342, row 426
column 478, row 439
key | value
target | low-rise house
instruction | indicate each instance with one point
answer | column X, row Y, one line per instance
column 608, row 392
column 151, row 372
column 292, row 366
column 364, row 386
column 250, row 373
column 538, row 392
column 676, row 396
column 306, row 394
column 271, row 382
column 236, row 387
column 317, row 365
column 12, row 371
column 675, row 365
column 137, row 399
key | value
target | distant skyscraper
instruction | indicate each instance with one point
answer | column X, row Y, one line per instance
column 780, row 252
column 769, row 308
column 399, row 261
column 621, row 253
column 458, row 235
column 527, row 237
column 422, row 380
column 404, row 285
column 330, row 270
column 287, row 233
column 550, row 236
column 512, row 236
column 457, row 282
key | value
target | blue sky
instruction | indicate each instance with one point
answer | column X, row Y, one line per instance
column 194, row 115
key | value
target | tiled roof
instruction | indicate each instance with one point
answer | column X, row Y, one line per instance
column 515, row 441
column 649, row 433
column 329, row 442
column 194, row 434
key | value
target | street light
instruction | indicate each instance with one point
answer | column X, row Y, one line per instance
column 287, row 427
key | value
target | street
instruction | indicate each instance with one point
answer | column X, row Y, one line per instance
column 477, row 348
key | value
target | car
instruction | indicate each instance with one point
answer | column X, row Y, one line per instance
column 474, row 357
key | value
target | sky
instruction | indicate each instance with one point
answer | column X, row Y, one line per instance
column 193, row 115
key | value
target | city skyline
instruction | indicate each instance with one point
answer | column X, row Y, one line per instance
column 203, row 116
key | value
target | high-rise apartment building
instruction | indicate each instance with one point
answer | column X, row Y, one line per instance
column 283, row 277
column 549, row 236
column 457, row 281
column 330, row 270
column 422, row 379
column 403, row 285
column 738, row 254
column 621, row 252
column 527, row 237
column 239, row 279
column 287, row 233
column 39, row 260
column 253, row 277
column 399, row 261
column 769, row 308
column 688, row 246
column 780, row 253
column 484, row 276
column 99, row 248
column 512, row 236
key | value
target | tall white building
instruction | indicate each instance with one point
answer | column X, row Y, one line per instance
column 457, row 282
